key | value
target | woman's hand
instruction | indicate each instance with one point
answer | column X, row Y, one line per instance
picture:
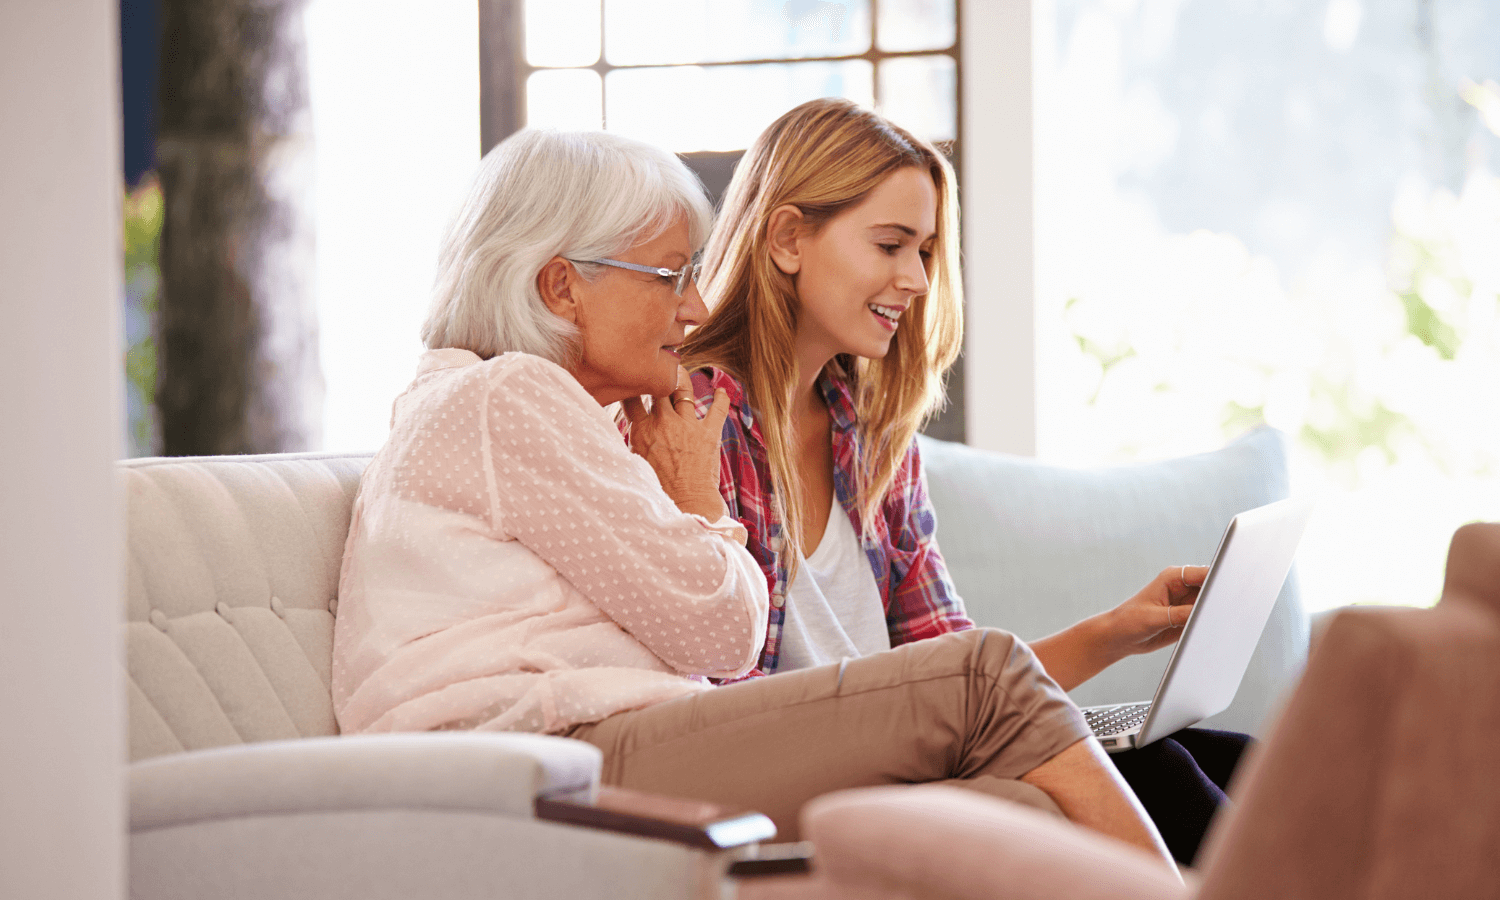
column 1154, row 617
column 682, row 449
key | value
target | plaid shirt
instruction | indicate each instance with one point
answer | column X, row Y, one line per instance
column 919, row 598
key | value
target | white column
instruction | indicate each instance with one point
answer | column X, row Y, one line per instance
column 998, row 194
column 62, row 747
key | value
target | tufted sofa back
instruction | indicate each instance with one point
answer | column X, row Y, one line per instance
column 233, row 567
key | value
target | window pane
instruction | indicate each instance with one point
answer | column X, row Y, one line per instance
column 690, row 108
column 916, row 25
column 394, row 90
column 663, row 32
column 562, row 32
column 566, row 99
column 1281, row 213
column 920, row 94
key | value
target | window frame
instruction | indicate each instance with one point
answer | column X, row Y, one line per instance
column 992, row 391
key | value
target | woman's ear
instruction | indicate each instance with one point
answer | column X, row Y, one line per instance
column 783, row 230
column 555, row 283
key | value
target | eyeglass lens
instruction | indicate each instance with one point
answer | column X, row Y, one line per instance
column 689, row 275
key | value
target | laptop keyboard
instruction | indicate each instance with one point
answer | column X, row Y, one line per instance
column 1115, row 719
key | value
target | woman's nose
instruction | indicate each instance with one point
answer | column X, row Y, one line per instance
column 912, row 276
column 692, row 309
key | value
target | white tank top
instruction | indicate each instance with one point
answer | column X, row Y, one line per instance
column 833, row 607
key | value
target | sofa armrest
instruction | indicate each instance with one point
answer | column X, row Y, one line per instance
column 481, row 772
column 446, row 816
column 694, row 823
column 554, row 779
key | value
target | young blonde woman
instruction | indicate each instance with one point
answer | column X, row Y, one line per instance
column 833, row 282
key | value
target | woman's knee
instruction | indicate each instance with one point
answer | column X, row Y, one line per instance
column 997, row 652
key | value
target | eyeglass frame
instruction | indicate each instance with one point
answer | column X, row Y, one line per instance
column 688, row 273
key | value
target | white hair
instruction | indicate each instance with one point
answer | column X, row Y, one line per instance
column 540, row 194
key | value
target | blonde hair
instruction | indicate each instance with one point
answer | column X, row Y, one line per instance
column 539, row 194
column 824, row 157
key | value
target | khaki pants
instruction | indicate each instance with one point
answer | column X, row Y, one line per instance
column 974, row 707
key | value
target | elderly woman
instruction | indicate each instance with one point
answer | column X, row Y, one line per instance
column 513, row 565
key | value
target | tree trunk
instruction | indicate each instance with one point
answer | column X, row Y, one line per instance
column 238, row 348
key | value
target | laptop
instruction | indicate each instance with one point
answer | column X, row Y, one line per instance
column 1220, row 634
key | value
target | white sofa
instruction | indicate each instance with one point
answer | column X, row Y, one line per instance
column 238, row 787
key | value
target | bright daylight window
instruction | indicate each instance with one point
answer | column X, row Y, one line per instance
column 394, row 92
column 1287, row 214
column 696, row 75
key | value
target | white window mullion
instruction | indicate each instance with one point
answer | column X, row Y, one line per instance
column 996, row 44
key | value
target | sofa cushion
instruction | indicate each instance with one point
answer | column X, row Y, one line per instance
column 232, row 572
column 1034, row 548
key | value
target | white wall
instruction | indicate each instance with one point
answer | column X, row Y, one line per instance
column 997, row 183
column 62, row 742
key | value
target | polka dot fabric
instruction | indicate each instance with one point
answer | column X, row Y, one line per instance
column 512, row 565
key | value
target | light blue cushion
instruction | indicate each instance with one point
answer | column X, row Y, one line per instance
column 1034, row 548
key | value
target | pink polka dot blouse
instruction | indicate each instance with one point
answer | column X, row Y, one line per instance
column 511, row 565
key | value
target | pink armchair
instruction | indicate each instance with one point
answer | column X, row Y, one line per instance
column 1381, row 779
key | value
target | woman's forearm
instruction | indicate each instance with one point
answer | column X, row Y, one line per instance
column 1079, row 652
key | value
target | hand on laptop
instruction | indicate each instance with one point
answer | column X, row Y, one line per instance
column 1154, row 617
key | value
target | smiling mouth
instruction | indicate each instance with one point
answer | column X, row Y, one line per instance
column 672, row 349
column 888, row 314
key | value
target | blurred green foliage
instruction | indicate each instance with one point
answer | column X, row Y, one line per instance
column 1108, row 357
column 1428, row 326
column 1430, row 279
column 143, row 210
column 1361, row 422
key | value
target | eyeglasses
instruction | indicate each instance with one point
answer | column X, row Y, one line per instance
column 684, row 276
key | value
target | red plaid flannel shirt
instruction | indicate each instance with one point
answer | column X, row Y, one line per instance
column 919, row 597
